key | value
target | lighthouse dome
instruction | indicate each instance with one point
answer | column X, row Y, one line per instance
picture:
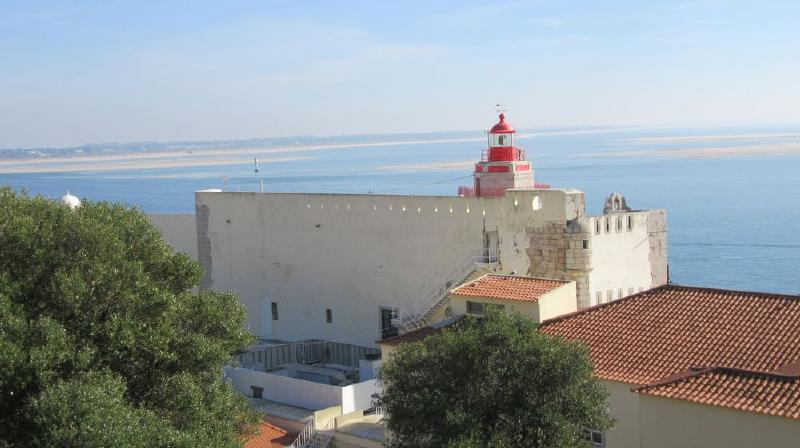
column 503, row 127
column 70, row 201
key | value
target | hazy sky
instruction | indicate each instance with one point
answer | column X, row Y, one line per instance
column 107, row 71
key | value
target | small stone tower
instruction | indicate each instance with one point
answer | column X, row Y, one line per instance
column 503, row 165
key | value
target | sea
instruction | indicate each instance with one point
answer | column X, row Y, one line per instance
column 732, row 193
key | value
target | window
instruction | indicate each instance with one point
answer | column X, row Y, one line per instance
column 474, row 308
column 329, row 315
column 387, row 329
column 619, row 224
column 598, row 297
column 274, row 310
column 597, row 439
column 479, row 308
column 619, row 293
column 609, row 295
column 585, row 244
column 608, row 225
column 597, row 226
column 630, row 291
column 630, row 223
column 258, row 392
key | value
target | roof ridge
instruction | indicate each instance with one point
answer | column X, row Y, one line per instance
column 523, row 277
column 692, row 372
column 737, row 291
column 603, row 305
column 675, row 286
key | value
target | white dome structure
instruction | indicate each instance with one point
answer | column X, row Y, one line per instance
column 70, row 201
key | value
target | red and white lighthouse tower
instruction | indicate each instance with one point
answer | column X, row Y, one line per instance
column 503, row 165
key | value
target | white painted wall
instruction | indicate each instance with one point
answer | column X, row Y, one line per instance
column 354, row 254
column 179, row 231
column 620, row 257
column 357, row 397
column 302, row 393
column 281, row 389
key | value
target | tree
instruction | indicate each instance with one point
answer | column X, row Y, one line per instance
column 103, row 341
column 491, row 382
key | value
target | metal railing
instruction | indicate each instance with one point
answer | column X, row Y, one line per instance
column 305, row 435
column 520, row 154
column 314, row 437
column 418, row 313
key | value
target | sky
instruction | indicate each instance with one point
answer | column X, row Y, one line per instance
column 116, row 71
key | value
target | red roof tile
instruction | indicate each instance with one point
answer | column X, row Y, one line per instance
column 412, row 336
column 270, row 436
column 420, row 333
column 651, row 335
column 508, row 287
column 745, row 390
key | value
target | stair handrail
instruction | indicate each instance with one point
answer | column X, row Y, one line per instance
column 305, row 435
column 433, row 295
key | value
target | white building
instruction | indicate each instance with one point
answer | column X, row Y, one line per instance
column 351, row 267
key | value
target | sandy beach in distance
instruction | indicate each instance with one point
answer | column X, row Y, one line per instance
column 224, row 156
column 778, row 149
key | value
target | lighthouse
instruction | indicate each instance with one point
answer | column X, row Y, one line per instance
column 503, row 165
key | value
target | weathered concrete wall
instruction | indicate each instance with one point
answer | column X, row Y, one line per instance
column 355, row 254
column 628, row 253
column 179, row 231
column 670, row 423
column 557, row 251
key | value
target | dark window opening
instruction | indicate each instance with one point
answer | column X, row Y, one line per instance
column 387, row 329
column 328, row 315
column 585, row 244
column 274, row 310
column 258, row 392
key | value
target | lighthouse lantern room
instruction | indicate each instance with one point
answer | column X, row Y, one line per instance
column 503, row 165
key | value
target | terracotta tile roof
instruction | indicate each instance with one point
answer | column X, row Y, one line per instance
column 420, row 333
column 508, row 287
column 270, row 436
column 650, row 335
column 412, row 336
column 745, row 390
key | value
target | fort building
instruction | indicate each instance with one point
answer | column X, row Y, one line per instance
column 357, row 267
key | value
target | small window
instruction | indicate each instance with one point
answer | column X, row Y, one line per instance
column 274, row 310
column 480, row 308
column 598, row 297
column 585, row 244
column 619, row 224
column 597, row 226
column 597, row 439
column 329, row 315
column 609, row 295
column 630, row 291
column 619, row 293
column 630, row 223
column 258, row 392
column 474, row 308
column 608, row 226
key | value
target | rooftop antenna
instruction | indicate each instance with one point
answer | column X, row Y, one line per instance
column 260, row 178
column 503, row 108
column 224, row 183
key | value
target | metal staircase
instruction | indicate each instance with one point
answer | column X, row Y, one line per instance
column 419, row 313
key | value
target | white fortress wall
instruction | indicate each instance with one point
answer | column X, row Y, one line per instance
column 179, row 230
column 628, row 253
column 354, row 254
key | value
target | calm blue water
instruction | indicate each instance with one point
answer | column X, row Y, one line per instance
column 733, row 221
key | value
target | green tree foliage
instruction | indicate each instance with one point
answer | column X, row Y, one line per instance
column 491, row 382
column 102, row 340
